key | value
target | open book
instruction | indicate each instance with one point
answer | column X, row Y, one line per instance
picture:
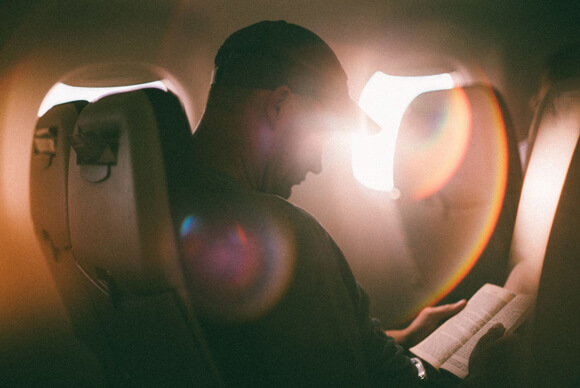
column 450, row 346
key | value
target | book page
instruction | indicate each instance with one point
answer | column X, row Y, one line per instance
column 456, row 331
column 511, row 316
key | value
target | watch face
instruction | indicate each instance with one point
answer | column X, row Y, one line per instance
column 421, row 371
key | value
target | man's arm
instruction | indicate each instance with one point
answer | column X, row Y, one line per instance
column 388, row 363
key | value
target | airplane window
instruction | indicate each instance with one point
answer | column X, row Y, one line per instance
column 61, row 93
column 385, row 98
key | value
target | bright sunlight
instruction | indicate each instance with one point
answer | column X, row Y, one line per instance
column 384, row 99
column 61, row 93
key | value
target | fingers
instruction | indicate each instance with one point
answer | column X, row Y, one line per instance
column 493, row 334
column 428, row 320
column 457, row 306
column 482, row 352
column 448, row 310
column 496, row 331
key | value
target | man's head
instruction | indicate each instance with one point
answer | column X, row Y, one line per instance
column 301, row 87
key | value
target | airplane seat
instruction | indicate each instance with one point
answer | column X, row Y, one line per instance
column 555, row 340
column 459, row 174
column 112, row 240
column 48, row 205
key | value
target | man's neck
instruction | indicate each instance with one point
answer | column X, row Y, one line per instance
column 213, row 148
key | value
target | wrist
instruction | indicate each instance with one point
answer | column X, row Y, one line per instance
column 399, row 336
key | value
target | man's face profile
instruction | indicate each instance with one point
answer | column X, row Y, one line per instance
column 303, row 98
column 303, row 129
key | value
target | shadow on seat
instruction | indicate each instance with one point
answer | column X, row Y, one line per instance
column 111, row 241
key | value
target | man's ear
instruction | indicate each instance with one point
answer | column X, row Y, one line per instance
column 279, row 105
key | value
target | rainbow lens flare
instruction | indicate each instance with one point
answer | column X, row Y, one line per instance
column 451, row 167
column 433, row 144
column 237, row 270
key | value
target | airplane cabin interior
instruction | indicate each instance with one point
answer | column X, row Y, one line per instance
column 473, row 178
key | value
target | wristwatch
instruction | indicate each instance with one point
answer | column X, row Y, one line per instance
column 421, row 371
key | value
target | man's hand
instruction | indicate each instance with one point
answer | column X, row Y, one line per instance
column 482, row 348
column 428, row 320
column 497, row 360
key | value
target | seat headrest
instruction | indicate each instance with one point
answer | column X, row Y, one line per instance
column 555, row 340
column 554, row 135
column 125, row 149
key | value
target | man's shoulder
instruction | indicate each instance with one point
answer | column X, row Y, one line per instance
column 276, row 212
column 281, row 207
column 223, row 201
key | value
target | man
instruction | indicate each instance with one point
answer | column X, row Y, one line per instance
column 278, row 303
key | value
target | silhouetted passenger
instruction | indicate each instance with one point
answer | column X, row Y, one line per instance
column 278, row 302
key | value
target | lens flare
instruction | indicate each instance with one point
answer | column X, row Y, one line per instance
column 451, row 166
column 497, row 177
column 236, row 270
column 432, row 145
